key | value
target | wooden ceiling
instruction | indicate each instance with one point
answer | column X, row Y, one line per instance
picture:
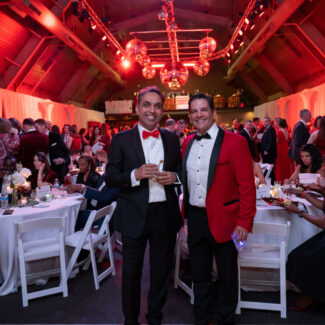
column 36, row 60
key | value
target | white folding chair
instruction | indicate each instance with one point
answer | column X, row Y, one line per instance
column 88, row 240
column 40, row 249
column 266, row 170
column 182, row 247
column 270, row 255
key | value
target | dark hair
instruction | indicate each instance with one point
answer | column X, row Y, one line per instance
column 283, row 123
column 170, row 121
column 316, row 158
column 82, row 131
column 321, row 131
column 90, row 161
column 73, row 129
column 93, row 138
column 74, row 152
column 41, row 121
column 316, row 120
column 4, row 125
column 202, row 96
column 15, row 123
column 28, row 121
column 55, row 129
column 68, row 125
column 256, row 119
column 9, row 157
column 42, row 157
column 150, row 89
column 303, row 112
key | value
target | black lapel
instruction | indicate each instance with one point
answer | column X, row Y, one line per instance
column 187, row 151
column 137, row 145
column 215, row 156
column 165, row 145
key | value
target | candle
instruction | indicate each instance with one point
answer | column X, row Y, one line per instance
column 9, row 189
column 23, row 201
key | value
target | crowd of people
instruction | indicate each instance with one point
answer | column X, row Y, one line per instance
column 144, row 166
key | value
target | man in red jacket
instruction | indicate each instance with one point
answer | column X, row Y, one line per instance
column 219, row 200
column 31, row 143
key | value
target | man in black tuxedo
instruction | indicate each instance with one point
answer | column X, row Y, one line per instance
column 143, row 164
column 246, row 133
column 59, row 154
column 300, row 135
column 268, row 143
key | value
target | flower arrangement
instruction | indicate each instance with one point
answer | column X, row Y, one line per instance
column 17, row 183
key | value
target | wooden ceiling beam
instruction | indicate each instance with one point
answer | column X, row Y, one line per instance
column 274, row 73
column 284, row 11
column 253, row 85
column 203, row 18
column 47, row 19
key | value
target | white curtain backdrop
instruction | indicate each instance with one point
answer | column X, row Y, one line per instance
column 288, row 107
column 22, row 106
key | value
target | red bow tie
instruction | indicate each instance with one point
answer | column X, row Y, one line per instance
column 146, row 134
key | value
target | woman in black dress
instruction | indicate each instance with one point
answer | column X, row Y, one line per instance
column 306, row 263
column 87, row 175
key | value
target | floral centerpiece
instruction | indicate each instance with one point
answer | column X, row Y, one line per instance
column 18, row 183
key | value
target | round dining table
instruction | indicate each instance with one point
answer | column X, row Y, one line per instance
column 60, row 207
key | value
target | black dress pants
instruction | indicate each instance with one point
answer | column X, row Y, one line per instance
column 202, row 248
column 161, row 237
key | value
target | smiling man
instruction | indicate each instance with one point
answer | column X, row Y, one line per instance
column 219, row 200
column 143, row 164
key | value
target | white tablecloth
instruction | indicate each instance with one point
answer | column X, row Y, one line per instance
column 58, row 207
column 300, row 231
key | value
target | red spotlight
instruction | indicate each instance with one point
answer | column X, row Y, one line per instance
column 247, row 21
column 104, row 38
column 126, row 64
column 232, row 46
column 118, row 52
column 240, row 32
column 252, row 27
column 93, row 26
column 242, row 43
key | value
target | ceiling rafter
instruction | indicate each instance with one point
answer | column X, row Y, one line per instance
column 274, row 73
column 253, row 85
column 283, row 12
column 46, row 18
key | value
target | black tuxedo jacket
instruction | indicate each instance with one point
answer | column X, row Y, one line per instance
column 300, row 137
column 250, row 142
column 126, row 154
column 268, row 144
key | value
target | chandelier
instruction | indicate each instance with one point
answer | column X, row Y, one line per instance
column 174, row 65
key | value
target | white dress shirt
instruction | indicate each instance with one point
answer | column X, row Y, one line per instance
column 154, row 154
column 197, row 167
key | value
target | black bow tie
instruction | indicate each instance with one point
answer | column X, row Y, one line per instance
column 203, row 136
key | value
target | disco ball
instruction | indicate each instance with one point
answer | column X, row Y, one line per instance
column 201, row 67
column 207, row 46
column 148, row 72
column 135, row 49
column 174, row 77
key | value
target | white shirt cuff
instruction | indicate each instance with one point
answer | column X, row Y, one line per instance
column 177, row 182
column 134, row 182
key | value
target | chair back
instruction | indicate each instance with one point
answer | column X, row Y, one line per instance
column 40, row 223
column 266, row 170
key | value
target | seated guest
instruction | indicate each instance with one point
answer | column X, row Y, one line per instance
column 42, row 174
column 306, row 263
column 75, row 138
column 9, row 140
column 87, row 175
column 310, row 161
column 9, row 166
column 87, row 150
column 101, row 156
column 97, row 198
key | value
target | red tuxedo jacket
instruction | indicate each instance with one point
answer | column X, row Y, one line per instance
column 231, row 193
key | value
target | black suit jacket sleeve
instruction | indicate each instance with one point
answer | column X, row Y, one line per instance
column 118, row 173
